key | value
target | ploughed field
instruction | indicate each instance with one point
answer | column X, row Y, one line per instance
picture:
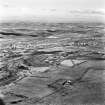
column 52, row 63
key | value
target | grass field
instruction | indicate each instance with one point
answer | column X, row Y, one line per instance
column 52, row 63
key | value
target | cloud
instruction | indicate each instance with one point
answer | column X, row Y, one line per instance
column 48, row 13
column 94, row 12
column 52, row 10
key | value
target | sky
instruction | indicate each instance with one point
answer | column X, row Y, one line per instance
column 52, row 9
